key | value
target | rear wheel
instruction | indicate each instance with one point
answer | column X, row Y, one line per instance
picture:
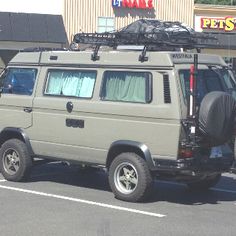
column 205, row 184
column 130, row 178
column 15, row 161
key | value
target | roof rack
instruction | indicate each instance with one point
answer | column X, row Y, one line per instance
column 154, row 35
column 42, row 49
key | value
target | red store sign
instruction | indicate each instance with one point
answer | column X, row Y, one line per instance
column 140, row 4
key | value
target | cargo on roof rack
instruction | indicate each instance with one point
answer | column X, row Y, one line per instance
column 153, row 34
column 161, row 34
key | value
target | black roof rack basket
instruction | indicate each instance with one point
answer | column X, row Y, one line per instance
column 154, row 34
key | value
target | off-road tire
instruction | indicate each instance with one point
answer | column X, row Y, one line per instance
column 129, row 170
column 216, row 118
column 15, row 161
column 204, row 184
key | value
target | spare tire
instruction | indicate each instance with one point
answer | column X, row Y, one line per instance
column 216, row 117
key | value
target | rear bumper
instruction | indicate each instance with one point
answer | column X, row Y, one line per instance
column 194, row 166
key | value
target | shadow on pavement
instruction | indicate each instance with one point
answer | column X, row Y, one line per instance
column 180, row 194
column 93, row 178
column 89, row 177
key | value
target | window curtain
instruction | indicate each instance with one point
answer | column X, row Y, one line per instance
column 87, row 85
column 71, row 84
column 55, row 83
column 125, row 87
column 78, row 84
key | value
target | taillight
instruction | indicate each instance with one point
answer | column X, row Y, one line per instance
column 185, row 153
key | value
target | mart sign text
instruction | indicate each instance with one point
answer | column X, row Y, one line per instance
column 140, row 4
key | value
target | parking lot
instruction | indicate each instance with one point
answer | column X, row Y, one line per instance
column 65, row 200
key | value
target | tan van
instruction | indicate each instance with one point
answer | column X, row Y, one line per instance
column 134, row 117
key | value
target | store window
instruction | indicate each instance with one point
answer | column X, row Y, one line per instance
column 106, row 24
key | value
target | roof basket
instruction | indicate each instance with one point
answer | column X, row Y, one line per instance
column 152, row 34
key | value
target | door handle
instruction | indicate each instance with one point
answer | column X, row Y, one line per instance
column 69, row 107
column 28, row 109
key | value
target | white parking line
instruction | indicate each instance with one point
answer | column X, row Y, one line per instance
column 2, row 180
column 215, row 189
column 223, row 190
column 84, row 201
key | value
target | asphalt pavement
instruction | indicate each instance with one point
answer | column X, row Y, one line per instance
column 65, row 200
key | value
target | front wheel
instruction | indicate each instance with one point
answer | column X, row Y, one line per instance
column 204, row 184
column 15, row 161
column 130, row 178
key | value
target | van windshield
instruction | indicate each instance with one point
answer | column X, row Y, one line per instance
column 213, row 78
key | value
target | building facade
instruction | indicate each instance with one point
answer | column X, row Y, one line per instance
column 218, row 21
column 107, row 15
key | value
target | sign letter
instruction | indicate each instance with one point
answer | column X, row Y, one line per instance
column 127, row 3
column 150, row 4
column 229, row 24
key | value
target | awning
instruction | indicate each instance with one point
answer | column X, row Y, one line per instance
column 225, row 41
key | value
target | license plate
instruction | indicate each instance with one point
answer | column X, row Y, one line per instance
column 216, row 152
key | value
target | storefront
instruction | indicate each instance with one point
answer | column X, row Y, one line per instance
column 108, row 15
column 220, row 22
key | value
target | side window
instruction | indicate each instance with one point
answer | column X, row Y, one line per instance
column 127, row 86
column 18, row 81
column 207, row 81
column 72, row 83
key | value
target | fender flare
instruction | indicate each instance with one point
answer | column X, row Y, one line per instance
column 120, row 146
column 13, row 132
